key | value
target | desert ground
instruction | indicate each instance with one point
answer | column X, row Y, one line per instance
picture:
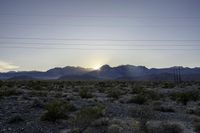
column 99, row 107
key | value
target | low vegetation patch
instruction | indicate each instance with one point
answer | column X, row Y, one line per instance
column 164, row 109
column 168, row 85
column 8, row 92
column 166, row 127
column 57, row 110
column 143, row 114
column 15, row 119
column 197, row 127
column 185, row 97
column 86, row 116
column 85, row 93
column 114, row 93
column 137, row 89
column 139, row 99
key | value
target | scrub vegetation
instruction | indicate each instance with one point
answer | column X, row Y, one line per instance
column 99, row 106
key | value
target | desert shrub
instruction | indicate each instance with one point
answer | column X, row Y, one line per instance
column 104, row 84
column 34, row 85
column 137, row 89
column 168, row 85
column 37, row 103
column 1, row 83
column 185, row 97
column 104, row 121
column 145, row 95
column 85, row 93
column 114, row 93
column 164, row 109
column 10, row 84
column 194, row 111
column 139, row 99
column 57, row 110
column 86, row 116
column 143, row 114
column 150, row 94
column 114, row 128
column 15, row 119
column 8, row 92
column 38, row 93
column 196, row 126
column 101, row 90
column 166, row 127
column 58, row 94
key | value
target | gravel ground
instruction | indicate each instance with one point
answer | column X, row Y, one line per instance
column 21, row 112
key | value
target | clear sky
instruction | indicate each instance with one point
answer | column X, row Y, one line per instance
column 41, row 34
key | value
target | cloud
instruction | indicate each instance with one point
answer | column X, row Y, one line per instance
column 5, row 66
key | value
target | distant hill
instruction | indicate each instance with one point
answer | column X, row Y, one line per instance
column 123, row 72
column 78, row 77
column 22, row 78
column 54, row 73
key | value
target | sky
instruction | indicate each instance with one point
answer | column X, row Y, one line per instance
column 42, row 34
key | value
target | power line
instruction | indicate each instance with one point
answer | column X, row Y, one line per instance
column 96, row 25
column 123, row 40
column 84, row 44
column 101, row 49
column 100, row 16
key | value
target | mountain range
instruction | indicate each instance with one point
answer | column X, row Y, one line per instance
column 106, row 72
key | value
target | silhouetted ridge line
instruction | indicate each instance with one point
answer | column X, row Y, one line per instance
column 106, row 72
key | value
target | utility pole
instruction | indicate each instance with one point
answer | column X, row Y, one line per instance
column 177, row 75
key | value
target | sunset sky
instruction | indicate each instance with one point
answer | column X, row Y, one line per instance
column 41, row 34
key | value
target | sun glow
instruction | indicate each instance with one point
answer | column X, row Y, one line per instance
column 96, row 66
column 97, row 61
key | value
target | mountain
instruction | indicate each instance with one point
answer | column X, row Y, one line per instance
column 109, row 73
column 106, row 72
column 66, row 71
column 78, row 77
column 22, row 78
column 54, row 73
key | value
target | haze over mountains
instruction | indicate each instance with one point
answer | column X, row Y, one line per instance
column 123, row 72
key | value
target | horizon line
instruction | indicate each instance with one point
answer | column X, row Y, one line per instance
column 92, row 69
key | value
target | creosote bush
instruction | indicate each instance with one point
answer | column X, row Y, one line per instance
column 143, row 95
column 164, row 109
column 57, row 110
column 185, row 97
column 143, row 114
column 6, row 92
column 87, row 115
column 137, row 89
column 139, row 99
column 167, row 85
column 114, row 93
column 196, row 126
column 15, row 119
column 166, row 127
column 1, row 83
column 85, row 93
column 35, row 93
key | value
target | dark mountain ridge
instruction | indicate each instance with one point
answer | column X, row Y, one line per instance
column 106, row 72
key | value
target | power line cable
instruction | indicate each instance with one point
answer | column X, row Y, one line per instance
column 100, row 16
column 123, row 40
column 101, row 49
column 96, row 25
column 77, row 44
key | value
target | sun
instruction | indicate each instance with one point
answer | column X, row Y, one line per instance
column 96, row 66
